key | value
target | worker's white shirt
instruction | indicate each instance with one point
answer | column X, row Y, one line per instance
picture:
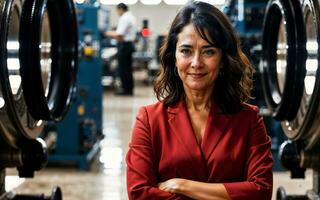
column 127, row 27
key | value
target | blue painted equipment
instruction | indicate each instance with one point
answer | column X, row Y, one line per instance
column 246, row 15
column 76, row 138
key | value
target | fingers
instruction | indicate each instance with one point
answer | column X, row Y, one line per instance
column 168, row 186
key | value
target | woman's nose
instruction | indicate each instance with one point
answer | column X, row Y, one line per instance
column 196, row 60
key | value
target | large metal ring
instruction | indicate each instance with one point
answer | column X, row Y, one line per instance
column 49, row 56
column 305, row 126
column 283, row 53
column 16, row 124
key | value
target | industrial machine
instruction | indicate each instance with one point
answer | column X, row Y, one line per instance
column 291, row 84
column 82, row 126
column 247, row 17
column 39, row 57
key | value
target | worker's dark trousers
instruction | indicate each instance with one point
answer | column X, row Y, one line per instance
column 125, row 50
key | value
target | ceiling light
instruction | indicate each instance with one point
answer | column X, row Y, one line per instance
column 116, row 2
column 150, row 2
column 176, row 2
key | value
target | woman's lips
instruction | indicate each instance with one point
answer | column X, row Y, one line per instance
column 197, row 75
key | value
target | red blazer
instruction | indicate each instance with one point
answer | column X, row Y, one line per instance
column 235, row 151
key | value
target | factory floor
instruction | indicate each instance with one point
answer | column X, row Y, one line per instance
column 106, row 179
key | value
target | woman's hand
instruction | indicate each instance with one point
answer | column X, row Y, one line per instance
column 195, row 189
column 172, row 185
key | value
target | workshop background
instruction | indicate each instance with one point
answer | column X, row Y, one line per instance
column 64, row 131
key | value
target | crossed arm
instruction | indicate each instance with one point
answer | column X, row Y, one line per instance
column 195, row 189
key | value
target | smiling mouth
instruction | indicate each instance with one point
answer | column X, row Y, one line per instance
column 197, row 76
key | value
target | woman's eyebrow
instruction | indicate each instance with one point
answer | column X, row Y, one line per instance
column 186, row 46
column 203, row 47
column 208, row 46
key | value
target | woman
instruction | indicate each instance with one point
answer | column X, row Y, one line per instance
column 200, row 141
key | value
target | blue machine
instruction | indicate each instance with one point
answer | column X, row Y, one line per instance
column 76, row 138
column 246, row 15
column 247, row 18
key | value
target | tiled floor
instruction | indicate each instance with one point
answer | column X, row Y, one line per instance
column 106, row 180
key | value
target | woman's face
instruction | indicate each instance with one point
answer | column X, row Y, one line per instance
column 197, row 61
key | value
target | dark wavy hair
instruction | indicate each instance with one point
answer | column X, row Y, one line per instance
column 234, row 82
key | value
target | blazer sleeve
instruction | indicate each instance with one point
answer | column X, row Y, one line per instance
column 141, row 169
column 258, row 170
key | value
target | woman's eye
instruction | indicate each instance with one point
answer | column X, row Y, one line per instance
column 185, row 51
column 209, row 52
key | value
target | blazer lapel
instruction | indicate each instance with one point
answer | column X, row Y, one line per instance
column 180, row 125
column 215, row 128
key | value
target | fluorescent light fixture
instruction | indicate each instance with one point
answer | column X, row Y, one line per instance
column 116, row 2
column 151, row 2
column 176, row 2
column 214, row 2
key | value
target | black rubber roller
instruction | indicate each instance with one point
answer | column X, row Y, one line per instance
column 283, row 58
column 49, row 41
